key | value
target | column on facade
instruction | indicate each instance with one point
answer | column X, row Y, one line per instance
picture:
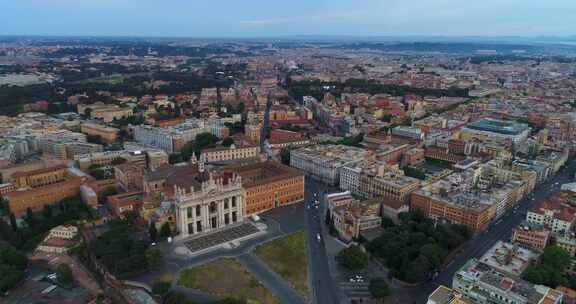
column 205, row 215
column 220, row 218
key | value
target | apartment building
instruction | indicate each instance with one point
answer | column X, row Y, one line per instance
column 482, row 284
column 377, row 181
column 323, row 162
column 107, row 134
column 445, row 295
column 531, row 235
column 233, row 152
column 555, row 212
column 108, row 157
column 355, row 217
column 129, row 177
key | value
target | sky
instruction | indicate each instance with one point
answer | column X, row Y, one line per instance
column 271, row 18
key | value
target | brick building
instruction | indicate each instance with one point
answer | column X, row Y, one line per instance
column 269, row 185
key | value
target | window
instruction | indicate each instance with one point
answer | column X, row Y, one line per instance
column 226, row 219
column 234, row 219
column 190, row 228
column 189, row 212
column 226, row 203
column 199, row 226
column 233, row 202
column 213, row 223
column 198, row 210
column 212, row 207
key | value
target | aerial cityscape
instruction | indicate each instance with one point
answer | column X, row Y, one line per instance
column 288, row 153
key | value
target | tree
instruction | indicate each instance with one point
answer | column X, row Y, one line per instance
column 204, row 140
column 10, row 277
column 177, row 298
column 378, row 288
column 4, row 205
column 29, row 215
column 47, row 211
column 285, row 156
column 153, row 257
column 433, row 253
column 231, row 301
column 64, row 274
column 353, row 258
column 153, row 232
column 551, row 272
column 556, row 257
column 165, row 230
column 118, row 161
column 414, row 172
column 13, row 222
column 419, row 270
column 87, row 112
column 160, row 287
column 387, row 222
column 14, row 258
column 94, row 139
column 227, row 142
column 98, row 174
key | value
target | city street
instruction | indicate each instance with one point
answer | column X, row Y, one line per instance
column 324, row 290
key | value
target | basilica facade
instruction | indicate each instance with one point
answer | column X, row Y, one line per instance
column 213, row 204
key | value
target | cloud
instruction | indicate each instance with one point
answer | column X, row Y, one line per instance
column 330, row 17
column 260, row 22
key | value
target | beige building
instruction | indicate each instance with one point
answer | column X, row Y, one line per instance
column 392, row 185
column 106, row 158
column 253, row 131
column 67, row 232
column 230, row 153
column 59, row 240
column 105, row 112
column 130, row 177
column 555, row 212
column 107, row 134
column 353, row 218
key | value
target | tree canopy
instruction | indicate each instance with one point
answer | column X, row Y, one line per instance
column 378, row 288
column 64, row 274
column 552, row 269
column 353, row 258
column 423, row 245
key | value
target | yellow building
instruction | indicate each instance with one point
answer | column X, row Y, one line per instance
column 39, row 177
column 445, row 295
column 108, row 134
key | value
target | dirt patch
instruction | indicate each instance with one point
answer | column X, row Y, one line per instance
column 226, row 278
column 288, row 257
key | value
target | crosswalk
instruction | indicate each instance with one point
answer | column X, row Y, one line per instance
column 355, row 290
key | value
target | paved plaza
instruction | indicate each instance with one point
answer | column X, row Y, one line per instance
column 220, row 237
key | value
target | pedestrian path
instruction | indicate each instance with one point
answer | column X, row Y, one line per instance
column 272, row 281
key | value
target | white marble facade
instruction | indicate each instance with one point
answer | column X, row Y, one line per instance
column 214, row 206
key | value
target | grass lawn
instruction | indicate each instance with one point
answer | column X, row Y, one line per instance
column 288, row 257
column 226, row 278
